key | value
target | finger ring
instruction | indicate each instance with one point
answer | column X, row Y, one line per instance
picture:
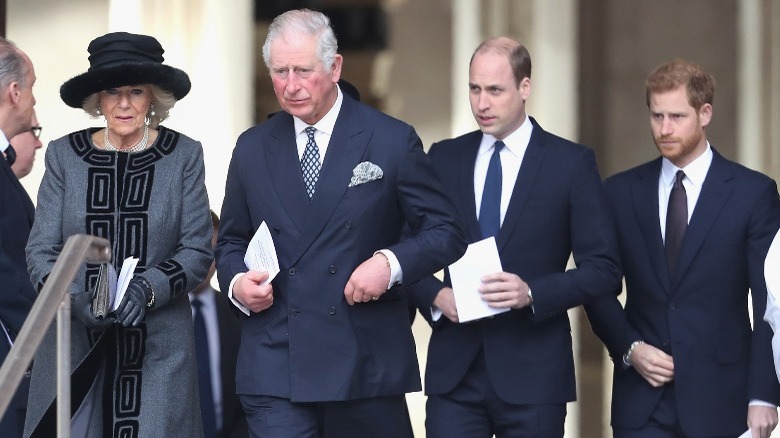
column 374, row 298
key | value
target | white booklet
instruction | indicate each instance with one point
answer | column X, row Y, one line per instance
column 261, row 253
column 481, row 259
column 118, row 284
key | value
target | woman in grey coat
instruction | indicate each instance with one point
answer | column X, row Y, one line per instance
column 141, row 186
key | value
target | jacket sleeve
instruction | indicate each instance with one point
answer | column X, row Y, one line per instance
column 594, row 247
column 762, row 378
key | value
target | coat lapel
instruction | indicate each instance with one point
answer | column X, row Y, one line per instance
column 284, row 166
column 465, row 189
column 644, row 193
column 24, row 197
column 526, row 178
column 714, row 193
column 347, row 145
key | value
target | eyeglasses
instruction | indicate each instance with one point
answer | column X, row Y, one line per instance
column 36, row 131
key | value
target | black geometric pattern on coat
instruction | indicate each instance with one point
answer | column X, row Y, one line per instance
column 118, row 196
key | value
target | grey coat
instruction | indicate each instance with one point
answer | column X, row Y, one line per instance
column 152, row 205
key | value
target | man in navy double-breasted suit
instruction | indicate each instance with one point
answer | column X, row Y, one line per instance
column 327, row 349
column 16, row 216
column 512, row 374
column 693, row 229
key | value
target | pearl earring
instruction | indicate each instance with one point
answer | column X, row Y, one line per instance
column 152, row 113
column 99, row 111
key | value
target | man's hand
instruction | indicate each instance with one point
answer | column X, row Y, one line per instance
column 250, row 291
column 653, row 364
column 445, row 301
column 761, row 420
column 504, row 290
column 369, row 280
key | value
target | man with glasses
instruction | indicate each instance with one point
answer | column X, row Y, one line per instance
column 17, row 294
column 25, row 144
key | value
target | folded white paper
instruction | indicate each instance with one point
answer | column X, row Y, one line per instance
column 118, row 285
column 481, row 258
column 261, row 253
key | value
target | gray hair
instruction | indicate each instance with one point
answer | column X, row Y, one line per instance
column 13, row 66
column 304, row 22
column 162, row 100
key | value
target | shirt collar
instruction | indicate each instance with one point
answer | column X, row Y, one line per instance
column 328, row 122
column 695, row 171
column 516, row 142
column 3, row 141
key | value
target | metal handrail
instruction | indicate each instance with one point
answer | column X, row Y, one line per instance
column 50, row 302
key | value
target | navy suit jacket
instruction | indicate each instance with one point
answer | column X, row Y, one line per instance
column 16, row 217
column 701, row 317
column 557, row 208
column 311, row 345
column 16, row 291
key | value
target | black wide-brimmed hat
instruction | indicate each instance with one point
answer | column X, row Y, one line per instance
column 120, row 58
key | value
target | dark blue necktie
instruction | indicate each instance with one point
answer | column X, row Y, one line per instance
column 676, row 221
column 10, row 155
column 204, row 372
column 490, row 208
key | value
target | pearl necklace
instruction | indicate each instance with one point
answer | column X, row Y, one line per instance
column 141, row 145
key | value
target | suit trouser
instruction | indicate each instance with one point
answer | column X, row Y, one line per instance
column 12, row 423
column 474, row 410
column 380, row 417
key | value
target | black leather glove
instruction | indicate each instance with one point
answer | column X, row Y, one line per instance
column 81, row 308
column 132, row 309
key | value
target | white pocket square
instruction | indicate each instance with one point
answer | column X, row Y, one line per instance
column 365, row 172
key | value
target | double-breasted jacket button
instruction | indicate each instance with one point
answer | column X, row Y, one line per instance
column 332, row 269
column 332, row 310
column 348, row 225
column 293, row 313
column 277, row 230
column 291, row 272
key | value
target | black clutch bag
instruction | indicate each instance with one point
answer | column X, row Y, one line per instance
column 101, row 299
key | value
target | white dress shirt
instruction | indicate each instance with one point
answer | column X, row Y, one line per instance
column 695, row 173
column 511, row 158
column 4, row 142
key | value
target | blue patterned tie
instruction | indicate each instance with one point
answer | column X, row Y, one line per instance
column 310, row 163
column 490, row 208
column 207, row 412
